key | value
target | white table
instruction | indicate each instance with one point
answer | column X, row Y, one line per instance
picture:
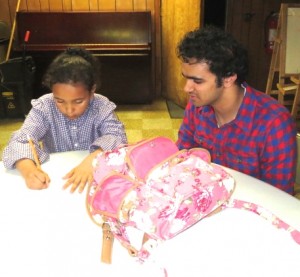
column 49, row 233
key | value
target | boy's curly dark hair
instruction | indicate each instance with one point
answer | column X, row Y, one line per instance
column 223, row 54
column 73, row 66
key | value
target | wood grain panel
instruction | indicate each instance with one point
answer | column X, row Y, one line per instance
column 67, row 5
column 139, row 5
column 124, row 5
column 94, row 5
column 178, row 17
column 80, row 5
column 107, row 5
column 13, row 5
column 55, row 6
column 45, row 5
column 34, row 5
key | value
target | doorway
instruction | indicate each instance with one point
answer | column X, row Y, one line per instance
column 214, row 13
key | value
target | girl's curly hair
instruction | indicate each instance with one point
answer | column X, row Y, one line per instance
column 213, row 46
column 73, row 66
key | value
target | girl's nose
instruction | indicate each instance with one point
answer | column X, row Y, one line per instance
column 69, row 110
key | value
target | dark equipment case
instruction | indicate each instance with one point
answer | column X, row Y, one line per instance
column 16, row 86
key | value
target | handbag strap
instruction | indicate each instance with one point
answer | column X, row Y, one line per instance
column 107, row 243
column 266, row 214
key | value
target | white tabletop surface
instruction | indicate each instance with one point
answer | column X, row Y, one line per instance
column 48, row 233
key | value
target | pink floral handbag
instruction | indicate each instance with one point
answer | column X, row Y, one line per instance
column 160, row 191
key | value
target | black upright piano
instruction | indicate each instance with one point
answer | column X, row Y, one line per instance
column 121, row 40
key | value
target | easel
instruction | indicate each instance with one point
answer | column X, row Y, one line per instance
column 287, row 89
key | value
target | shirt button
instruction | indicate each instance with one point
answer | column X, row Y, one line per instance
column 74, row 127
column 76, row 144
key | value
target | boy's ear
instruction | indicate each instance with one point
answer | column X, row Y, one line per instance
column 230, row 80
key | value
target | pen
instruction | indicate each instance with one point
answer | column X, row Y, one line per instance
column 35, row 156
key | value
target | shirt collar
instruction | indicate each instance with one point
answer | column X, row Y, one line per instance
column 245, row 114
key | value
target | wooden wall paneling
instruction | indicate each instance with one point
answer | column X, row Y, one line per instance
column 6, row 11
column 235, row 20
column 153, row 6
column 107, row 5
column 262, row 59
column 238, row 20
column 140, row 5
column 157, row 46
column 80, row 5
column 256, row 38
column 94, row 5
column 33, row 5
column 246, row 17
column 13, row 4
column 178, row 17
column 67, row 5
column 124, row 5
column 45, row 5
column 233, row 12
column 246, row 22
column 167, row 8
column 255, row 32
column 23, row 5
column 55, row 6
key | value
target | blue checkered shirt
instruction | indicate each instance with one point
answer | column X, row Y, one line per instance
column 97, row 128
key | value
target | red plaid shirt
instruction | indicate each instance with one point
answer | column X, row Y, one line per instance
column 260, row 142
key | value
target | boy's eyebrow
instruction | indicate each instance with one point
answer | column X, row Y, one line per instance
column 191, row 77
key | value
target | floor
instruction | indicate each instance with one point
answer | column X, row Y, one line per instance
column 141, row 122
column 145, row 121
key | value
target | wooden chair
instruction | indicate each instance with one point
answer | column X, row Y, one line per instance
column 292, row 88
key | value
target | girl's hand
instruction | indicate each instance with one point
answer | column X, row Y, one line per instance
column 78, row 177
column 34, row 178
column 81, row 175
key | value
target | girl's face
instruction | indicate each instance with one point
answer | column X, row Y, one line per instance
column 72, row 99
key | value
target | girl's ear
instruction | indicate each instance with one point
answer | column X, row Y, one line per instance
column 93, row 90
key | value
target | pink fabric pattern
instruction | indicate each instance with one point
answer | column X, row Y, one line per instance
column 161, row 191
column 177, row 193
column 266, row 214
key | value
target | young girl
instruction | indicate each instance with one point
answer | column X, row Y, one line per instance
column 72, row 117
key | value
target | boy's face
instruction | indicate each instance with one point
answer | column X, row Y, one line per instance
column 72, row 99
column 201, row 84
